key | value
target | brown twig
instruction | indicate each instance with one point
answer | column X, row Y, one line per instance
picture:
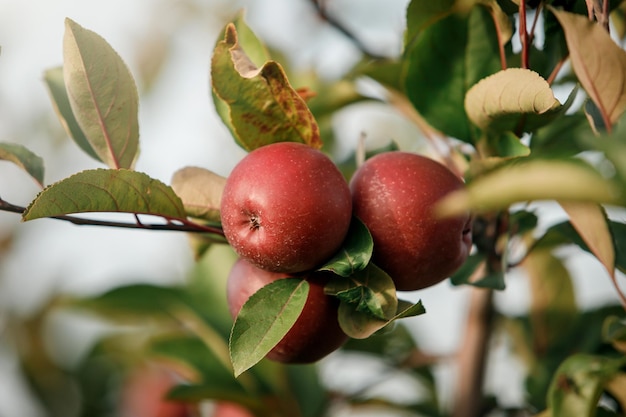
column 332, row 21
column 173, row 224
column 472, row 358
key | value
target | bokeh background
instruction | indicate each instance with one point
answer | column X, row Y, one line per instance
column 167, row 45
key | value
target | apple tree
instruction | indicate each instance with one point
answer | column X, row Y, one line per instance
column 321, row 254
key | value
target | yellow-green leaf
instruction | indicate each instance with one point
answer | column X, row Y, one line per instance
column 200, row 190
column 102, row 94
column 509, row 97
column 591, row 223
column 106, row 190
column 562, row 180
column 553, row 302
column 598, row 62
column 262, row 106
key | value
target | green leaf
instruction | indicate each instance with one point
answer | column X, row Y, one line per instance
column 507, row 145
column 420, row 14
column 561, row 137
column 264, row 320
column 532, row 180
column 102, row 94
column 578, row 384
column 446, row 58
column 263, row 107
column 106, row 190
column 194, row 353
column 23, row 158
column 614, row 332
column 61, row 103
column 304, row 381
column 370, row 291
column 369, row 302
column 464, row 274
column 355, row 252
column 553, row 302
column 200, row 190
column 509, row 99
column 599, row 63
column 139, row 300
column 360, row 324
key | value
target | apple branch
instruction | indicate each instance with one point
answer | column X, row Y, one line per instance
column 178, row 224
column 332, row 21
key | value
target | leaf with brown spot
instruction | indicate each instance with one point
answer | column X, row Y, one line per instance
column 261, row 105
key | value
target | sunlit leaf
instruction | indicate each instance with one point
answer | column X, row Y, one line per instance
column 258, row 54
column 23, row 158
column 106, row 190
column 263, row 107
column 102, row 94
column 61, row 102
column 200, row 190
column 599, row 63
column 591, row 223
column 510, row 97
column 578, row 384
column 533, row 180
column 355, row 252
column 264, row 320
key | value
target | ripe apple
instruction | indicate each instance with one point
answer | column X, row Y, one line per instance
column 315, row 334
column 143, row 394
column 286, row 207
column 230, row 409
column 393, row 193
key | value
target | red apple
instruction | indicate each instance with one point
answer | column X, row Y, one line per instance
column 286, row 207
column 143, row 394
column 315, row 334
column 229, row 409
column 393, row 193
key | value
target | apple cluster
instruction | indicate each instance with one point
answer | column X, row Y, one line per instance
column 286, row 210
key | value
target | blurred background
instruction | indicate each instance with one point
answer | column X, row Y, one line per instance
column 167, row 45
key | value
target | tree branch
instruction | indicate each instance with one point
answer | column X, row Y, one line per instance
column 176, row 225
column 472, row 358
column 323, row 14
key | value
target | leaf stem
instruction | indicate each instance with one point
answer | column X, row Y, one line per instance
column 173, row 224
column 523, row 33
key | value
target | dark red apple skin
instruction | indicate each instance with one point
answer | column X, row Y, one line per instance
column 394, row 193
column 314, row 335
column 286, row 208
